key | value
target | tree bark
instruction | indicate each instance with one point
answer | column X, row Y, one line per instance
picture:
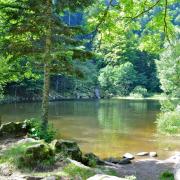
column 47, row 62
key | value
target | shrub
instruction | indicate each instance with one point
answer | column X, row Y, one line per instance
column 139, row 91
column 167, row 176
column 169, row 123
column 35, row 130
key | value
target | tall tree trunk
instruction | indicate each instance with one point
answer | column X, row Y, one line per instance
column 45, row 101
column 47, row 62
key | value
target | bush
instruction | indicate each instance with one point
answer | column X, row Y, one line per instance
column 169, row 123
column 139, row 91
column 167, row 176
column 119, row 79
column 35, row 130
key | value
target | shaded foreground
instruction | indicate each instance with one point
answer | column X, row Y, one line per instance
column 26, row 158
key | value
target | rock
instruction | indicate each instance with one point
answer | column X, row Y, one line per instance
column 153, row 154
column 112, row 160
column 37, row 153
column 124, row 161
column 91, row 160
column 26, row 140
column 118, row 161
column 177, row 172
column 6, row 170
column 104, row 177
column 78, row 164
column 13, row 129
column 50, row 178
column 142, row 154
column 67, row 148
column 129, row 156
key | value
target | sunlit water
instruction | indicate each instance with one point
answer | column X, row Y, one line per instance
column 105, row 127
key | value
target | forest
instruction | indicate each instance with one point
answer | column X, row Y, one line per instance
column 89, row 88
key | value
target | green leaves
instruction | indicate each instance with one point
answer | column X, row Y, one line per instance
column 169, row 69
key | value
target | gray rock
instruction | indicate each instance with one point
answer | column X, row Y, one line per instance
column 5, row 170
column 129, row 156
column 37, row 153
column 26, row 140
column 118, row 161
column 91, row 160
column 153, row 154
column 13, row 129
column 67, row 148
column 142, row 154
column 104, row 177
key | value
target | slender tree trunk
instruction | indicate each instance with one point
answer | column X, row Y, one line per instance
column 47, row 61
column 45, row 101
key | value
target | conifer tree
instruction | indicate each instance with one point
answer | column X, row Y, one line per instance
column 35, row 30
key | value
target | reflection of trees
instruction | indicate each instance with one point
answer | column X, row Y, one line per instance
column 127, row 115
column 139, row 106
column 110, row 115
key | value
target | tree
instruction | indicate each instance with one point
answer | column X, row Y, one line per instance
column 119, row 80
column 35, row 30
column 169, row 69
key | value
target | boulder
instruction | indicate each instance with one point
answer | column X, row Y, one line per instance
column 142, row 154
column 105, row 177
column 37, row 153
column 13, row 129
column 67, row 148
column 153, row 154
column 118, row 161
column 91, row 160
column 128, row 155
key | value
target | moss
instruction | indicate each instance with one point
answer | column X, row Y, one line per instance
column 75, row 171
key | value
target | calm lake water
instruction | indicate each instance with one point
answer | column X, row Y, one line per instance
column 105, row 127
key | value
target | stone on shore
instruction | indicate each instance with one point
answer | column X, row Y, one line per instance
column 36, row 154
column 91, row 160
column 67, row 148
column 153, row 154
column 128, row 156
column 13, row 129
column 142, row 154
column 105, row 177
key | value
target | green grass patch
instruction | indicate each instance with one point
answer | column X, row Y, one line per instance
column 75, row 171
column 12, row 154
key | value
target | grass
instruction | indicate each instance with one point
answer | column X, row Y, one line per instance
column 75, row 171
column 12, row 154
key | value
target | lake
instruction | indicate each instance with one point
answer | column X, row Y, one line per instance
column 104, row 127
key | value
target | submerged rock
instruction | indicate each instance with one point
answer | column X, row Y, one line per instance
column 13, row 129
column 67, row 148
column 128, row 156
column 37, row 153
column 142, row 154
column 91, row 160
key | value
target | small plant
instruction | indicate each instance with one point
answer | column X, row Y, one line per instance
column 167, row 176
column 35, row 130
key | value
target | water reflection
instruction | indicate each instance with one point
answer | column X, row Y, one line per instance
column 105, row 127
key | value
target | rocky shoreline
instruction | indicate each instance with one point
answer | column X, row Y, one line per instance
column 64, row 152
